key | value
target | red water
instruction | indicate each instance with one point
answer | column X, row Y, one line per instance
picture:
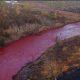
column 22, row 51
column 14, row 56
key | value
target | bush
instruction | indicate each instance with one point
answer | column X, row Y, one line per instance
column 6, row 35
column 53, row 15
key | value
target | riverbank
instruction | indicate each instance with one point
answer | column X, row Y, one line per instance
column 17, row 22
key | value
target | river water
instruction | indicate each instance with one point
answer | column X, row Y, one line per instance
column 20, row 52
column 14, row 56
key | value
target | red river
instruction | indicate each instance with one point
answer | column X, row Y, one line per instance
column 20, row 52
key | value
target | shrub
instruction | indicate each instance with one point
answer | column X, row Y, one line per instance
column 6, row 35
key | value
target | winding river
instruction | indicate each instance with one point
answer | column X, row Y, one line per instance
column 20, row 52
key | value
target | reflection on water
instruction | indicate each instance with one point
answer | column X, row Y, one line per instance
column 72, row 74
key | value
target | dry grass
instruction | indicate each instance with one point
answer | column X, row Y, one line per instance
column 20, row 20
